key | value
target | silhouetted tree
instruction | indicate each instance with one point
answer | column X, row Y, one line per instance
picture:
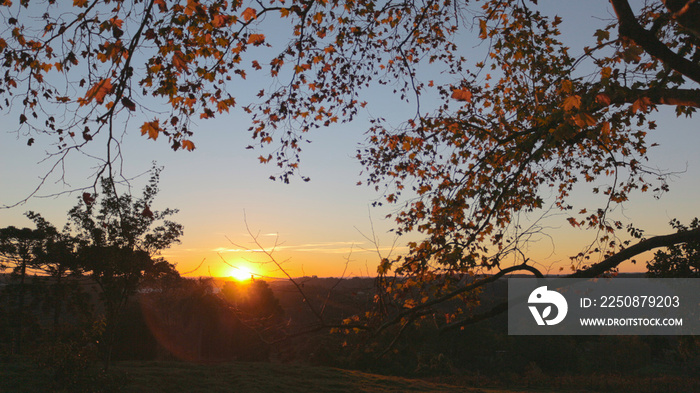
column 119, row 242
column 17, row 252
column 679, row 260
column 56, row 257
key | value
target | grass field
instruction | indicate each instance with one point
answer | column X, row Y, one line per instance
column 150, row 377
column 22, row 375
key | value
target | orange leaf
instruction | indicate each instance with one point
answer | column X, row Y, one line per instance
column 256, row 39
column 572, row 102
column 603, row 98
column 152, row 128
column 641, row 103
column 219, row 20
column 98, row 92
column 566, row 86
column 249, row 14
column 161, row 5
column 191, row 7
column 462, row 95
column 187, row 144
column 179, row 61
column 584, row 120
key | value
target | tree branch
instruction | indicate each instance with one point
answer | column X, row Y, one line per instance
column 593, row 271
column 630, row 28
column 467, row 288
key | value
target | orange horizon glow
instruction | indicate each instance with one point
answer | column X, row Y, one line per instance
column 240, row 273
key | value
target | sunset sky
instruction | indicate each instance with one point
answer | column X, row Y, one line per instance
column 320, row 225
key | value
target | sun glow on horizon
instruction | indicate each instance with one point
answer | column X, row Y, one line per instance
column 240, row 273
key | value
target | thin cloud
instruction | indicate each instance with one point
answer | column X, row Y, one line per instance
column 324, row 247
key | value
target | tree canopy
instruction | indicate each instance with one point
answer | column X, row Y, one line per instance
column 513, row 132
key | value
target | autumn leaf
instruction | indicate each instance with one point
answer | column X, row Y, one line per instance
column 179, row 61
column 152, row 128
column 482, row 29
column 220, row 21
column 191, row 7
column 128, row 104
column 187, row 145
column 584, row 120
column 567, row 86
column 572, row 102
column 642, row 103
column 97, row 92
column 249, row 14
column 602, row 35
column 256, row 39
column 573, row 222
column 603, row 98
column 161, row 5
column 462, row 95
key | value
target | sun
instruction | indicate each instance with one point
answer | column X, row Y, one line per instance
column 240, row 273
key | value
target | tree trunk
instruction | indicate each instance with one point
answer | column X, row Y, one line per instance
column 19, row 314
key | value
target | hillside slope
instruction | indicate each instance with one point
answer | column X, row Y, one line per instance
column 263, row 377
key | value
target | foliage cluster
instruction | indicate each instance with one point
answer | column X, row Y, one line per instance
column 111, row 242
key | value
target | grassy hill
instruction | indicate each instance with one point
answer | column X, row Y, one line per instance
column 151, row 377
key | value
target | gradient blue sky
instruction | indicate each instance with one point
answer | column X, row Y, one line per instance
column 321, row 224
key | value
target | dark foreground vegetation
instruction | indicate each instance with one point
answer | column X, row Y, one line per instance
column 213, row 335
column 226, row 377
column 22, row 375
